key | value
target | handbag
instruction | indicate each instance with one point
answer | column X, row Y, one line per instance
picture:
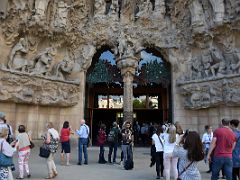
column 184, row 170
column 32, row 145
column 44, row 152
column 5, row 161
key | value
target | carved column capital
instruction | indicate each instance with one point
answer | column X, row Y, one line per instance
column 127, row 65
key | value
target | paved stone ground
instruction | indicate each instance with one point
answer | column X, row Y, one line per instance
column 95, row 171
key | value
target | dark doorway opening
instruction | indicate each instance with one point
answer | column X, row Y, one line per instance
column 104, row 91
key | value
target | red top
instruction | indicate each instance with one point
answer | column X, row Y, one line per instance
column 65, row 134
column 225, row 139
column 101, row 137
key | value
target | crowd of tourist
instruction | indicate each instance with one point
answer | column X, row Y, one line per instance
column 173, row 150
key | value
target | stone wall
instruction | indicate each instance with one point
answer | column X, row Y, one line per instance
column 47, row 46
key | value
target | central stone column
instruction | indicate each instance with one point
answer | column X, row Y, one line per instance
column 128, row 67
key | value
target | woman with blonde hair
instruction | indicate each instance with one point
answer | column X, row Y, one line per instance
column 170, row 163
column 52, row 139
column 7, row 150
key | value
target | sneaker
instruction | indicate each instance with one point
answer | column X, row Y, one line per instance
column 86, row 163
column 29, row 175
column 79, row 163
column 158, row 177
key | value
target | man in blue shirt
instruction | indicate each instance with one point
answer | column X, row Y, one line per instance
column 83, row 134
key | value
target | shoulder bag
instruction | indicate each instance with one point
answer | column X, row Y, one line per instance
column 44, row 151
column 5, row 161
column 184, row 170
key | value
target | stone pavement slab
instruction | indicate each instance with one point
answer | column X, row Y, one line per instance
column 95, row 171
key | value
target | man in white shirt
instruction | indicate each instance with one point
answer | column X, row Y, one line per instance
column 158, row 142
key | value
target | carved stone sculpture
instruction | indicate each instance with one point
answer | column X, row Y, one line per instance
column 108, row 6
column 65, row 69
column 100, row 7
column 122, row 46
column 61, row 15
column 16, row 57
column 87, row 53
column 159, row 7
column 196, row 68
column 61, row 69
column 40, row 10
column 218, row 67
column 34, row 90
column 218, row 10
column 3, row 8
column 206, row 61
column 42, row 62
column 235, row 65
column 197, row 15
column 231, row 54
column 144, row 9
column 20, row 4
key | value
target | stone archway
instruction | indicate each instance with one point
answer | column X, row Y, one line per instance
column 110, row 79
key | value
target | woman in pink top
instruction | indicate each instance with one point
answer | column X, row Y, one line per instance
column 65, row 141
column 23, row 146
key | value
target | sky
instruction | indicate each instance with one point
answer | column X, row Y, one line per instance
column 147, row 57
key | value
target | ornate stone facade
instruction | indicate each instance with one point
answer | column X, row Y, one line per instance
column 47, row 47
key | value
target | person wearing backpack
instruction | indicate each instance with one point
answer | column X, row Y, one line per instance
column 113, row 142
column 101, row 142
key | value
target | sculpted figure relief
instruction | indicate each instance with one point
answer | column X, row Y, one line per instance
column 63, row 69
column 87, row 54
column 100, row 7
column 206, row 61
column 218, row 66
column 218, row 10
column 61, row 15
column 196, row 68
column 16, row 58
column 232, row 56
column 40, row 10
column 197, row 15
column 42, row 62
column 144, row 8
column 108, row 6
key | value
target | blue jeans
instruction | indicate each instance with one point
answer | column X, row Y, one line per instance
column 113, row 146
column 127, row 152
column 82, row 147
column 221, row 162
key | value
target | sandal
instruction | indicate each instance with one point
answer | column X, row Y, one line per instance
column 49, row 177
column 55, row 174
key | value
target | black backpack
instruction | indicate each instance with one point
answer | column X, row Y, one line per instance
column 129, row 164
column 111, row 136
